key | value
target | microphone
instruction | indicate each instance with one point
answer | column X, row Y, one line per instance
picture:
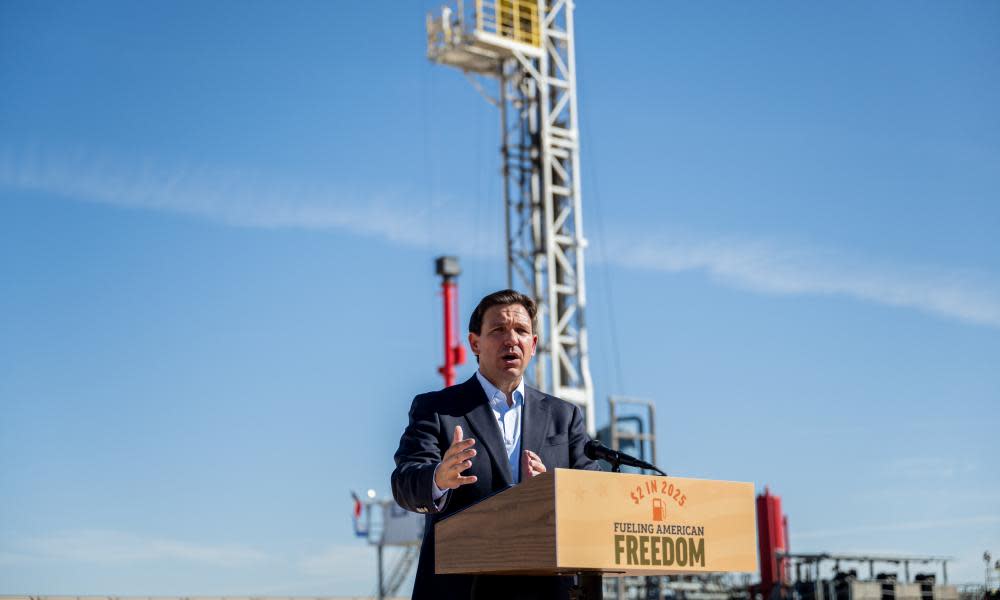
column 595, row 450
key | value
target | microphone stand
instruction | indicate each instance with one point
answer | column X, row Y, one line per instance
column 616, row 467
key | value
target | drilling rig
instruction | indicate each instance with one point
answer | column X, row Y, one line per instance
column 523, row 51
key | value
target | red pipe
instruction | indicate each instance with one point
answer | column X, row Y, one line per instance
column 454, row 352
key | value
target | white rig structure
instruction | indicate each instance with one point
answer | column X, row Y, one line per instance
column 527, row 47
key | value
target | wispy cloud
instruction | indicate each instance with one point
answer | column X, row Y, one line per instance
column 793, row 269
column 116, row 547
column 347, row 568
column 239, row 198
column 927, row 468
column 334, row 560
column 904, row 526
column 983, row 495
column 246, row 199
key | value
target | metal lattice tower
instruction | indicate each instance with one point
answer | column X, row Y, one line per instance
column 526, row 48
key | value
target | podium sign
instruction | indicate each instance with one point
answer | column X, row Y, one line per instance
column 639, row 523
column 568, row 521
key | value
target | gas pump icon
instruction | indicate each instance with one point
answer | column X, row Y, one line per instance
column 658, row 509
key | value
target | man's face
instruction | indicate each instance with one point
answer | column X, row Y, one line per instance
column 505, row 344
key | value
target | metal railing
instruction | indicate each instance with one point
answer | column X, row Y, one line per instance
column 516, row 20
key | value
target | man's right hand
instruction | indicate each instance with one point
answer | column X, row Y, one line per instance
column 457, row 458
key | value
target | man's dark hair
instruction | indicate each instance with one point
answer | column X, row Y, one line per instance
column 501, row 298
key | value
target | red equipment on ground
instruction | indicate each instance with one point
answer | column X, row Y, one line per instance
column 772, row 537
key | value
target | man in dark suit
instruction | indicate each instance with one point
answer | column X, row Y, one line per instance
column 515, row 432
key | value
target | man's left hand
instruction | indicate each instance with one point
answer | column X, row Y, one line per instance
column 531, row 464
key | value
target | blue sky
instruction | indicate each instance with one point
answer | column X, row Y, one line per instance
column 217, row 228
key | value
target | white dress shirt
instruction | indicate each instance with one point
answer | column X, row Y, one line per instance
column 508, row 417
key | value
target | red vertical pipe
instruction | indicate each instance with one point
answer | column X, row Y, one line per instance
column 448, row 369
column 778, row 527
column 788, row 548
column 457, row 349
column 454, row 352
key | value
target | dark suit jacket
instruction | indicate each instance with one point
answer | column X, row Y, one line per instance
column 552, row 428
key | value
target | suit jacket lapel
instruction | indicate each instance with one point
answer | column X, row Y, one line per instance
column 536, row 420
column 483, row 426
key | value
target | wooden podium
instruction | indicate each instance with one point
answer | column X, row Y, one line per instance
column 569, row 521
